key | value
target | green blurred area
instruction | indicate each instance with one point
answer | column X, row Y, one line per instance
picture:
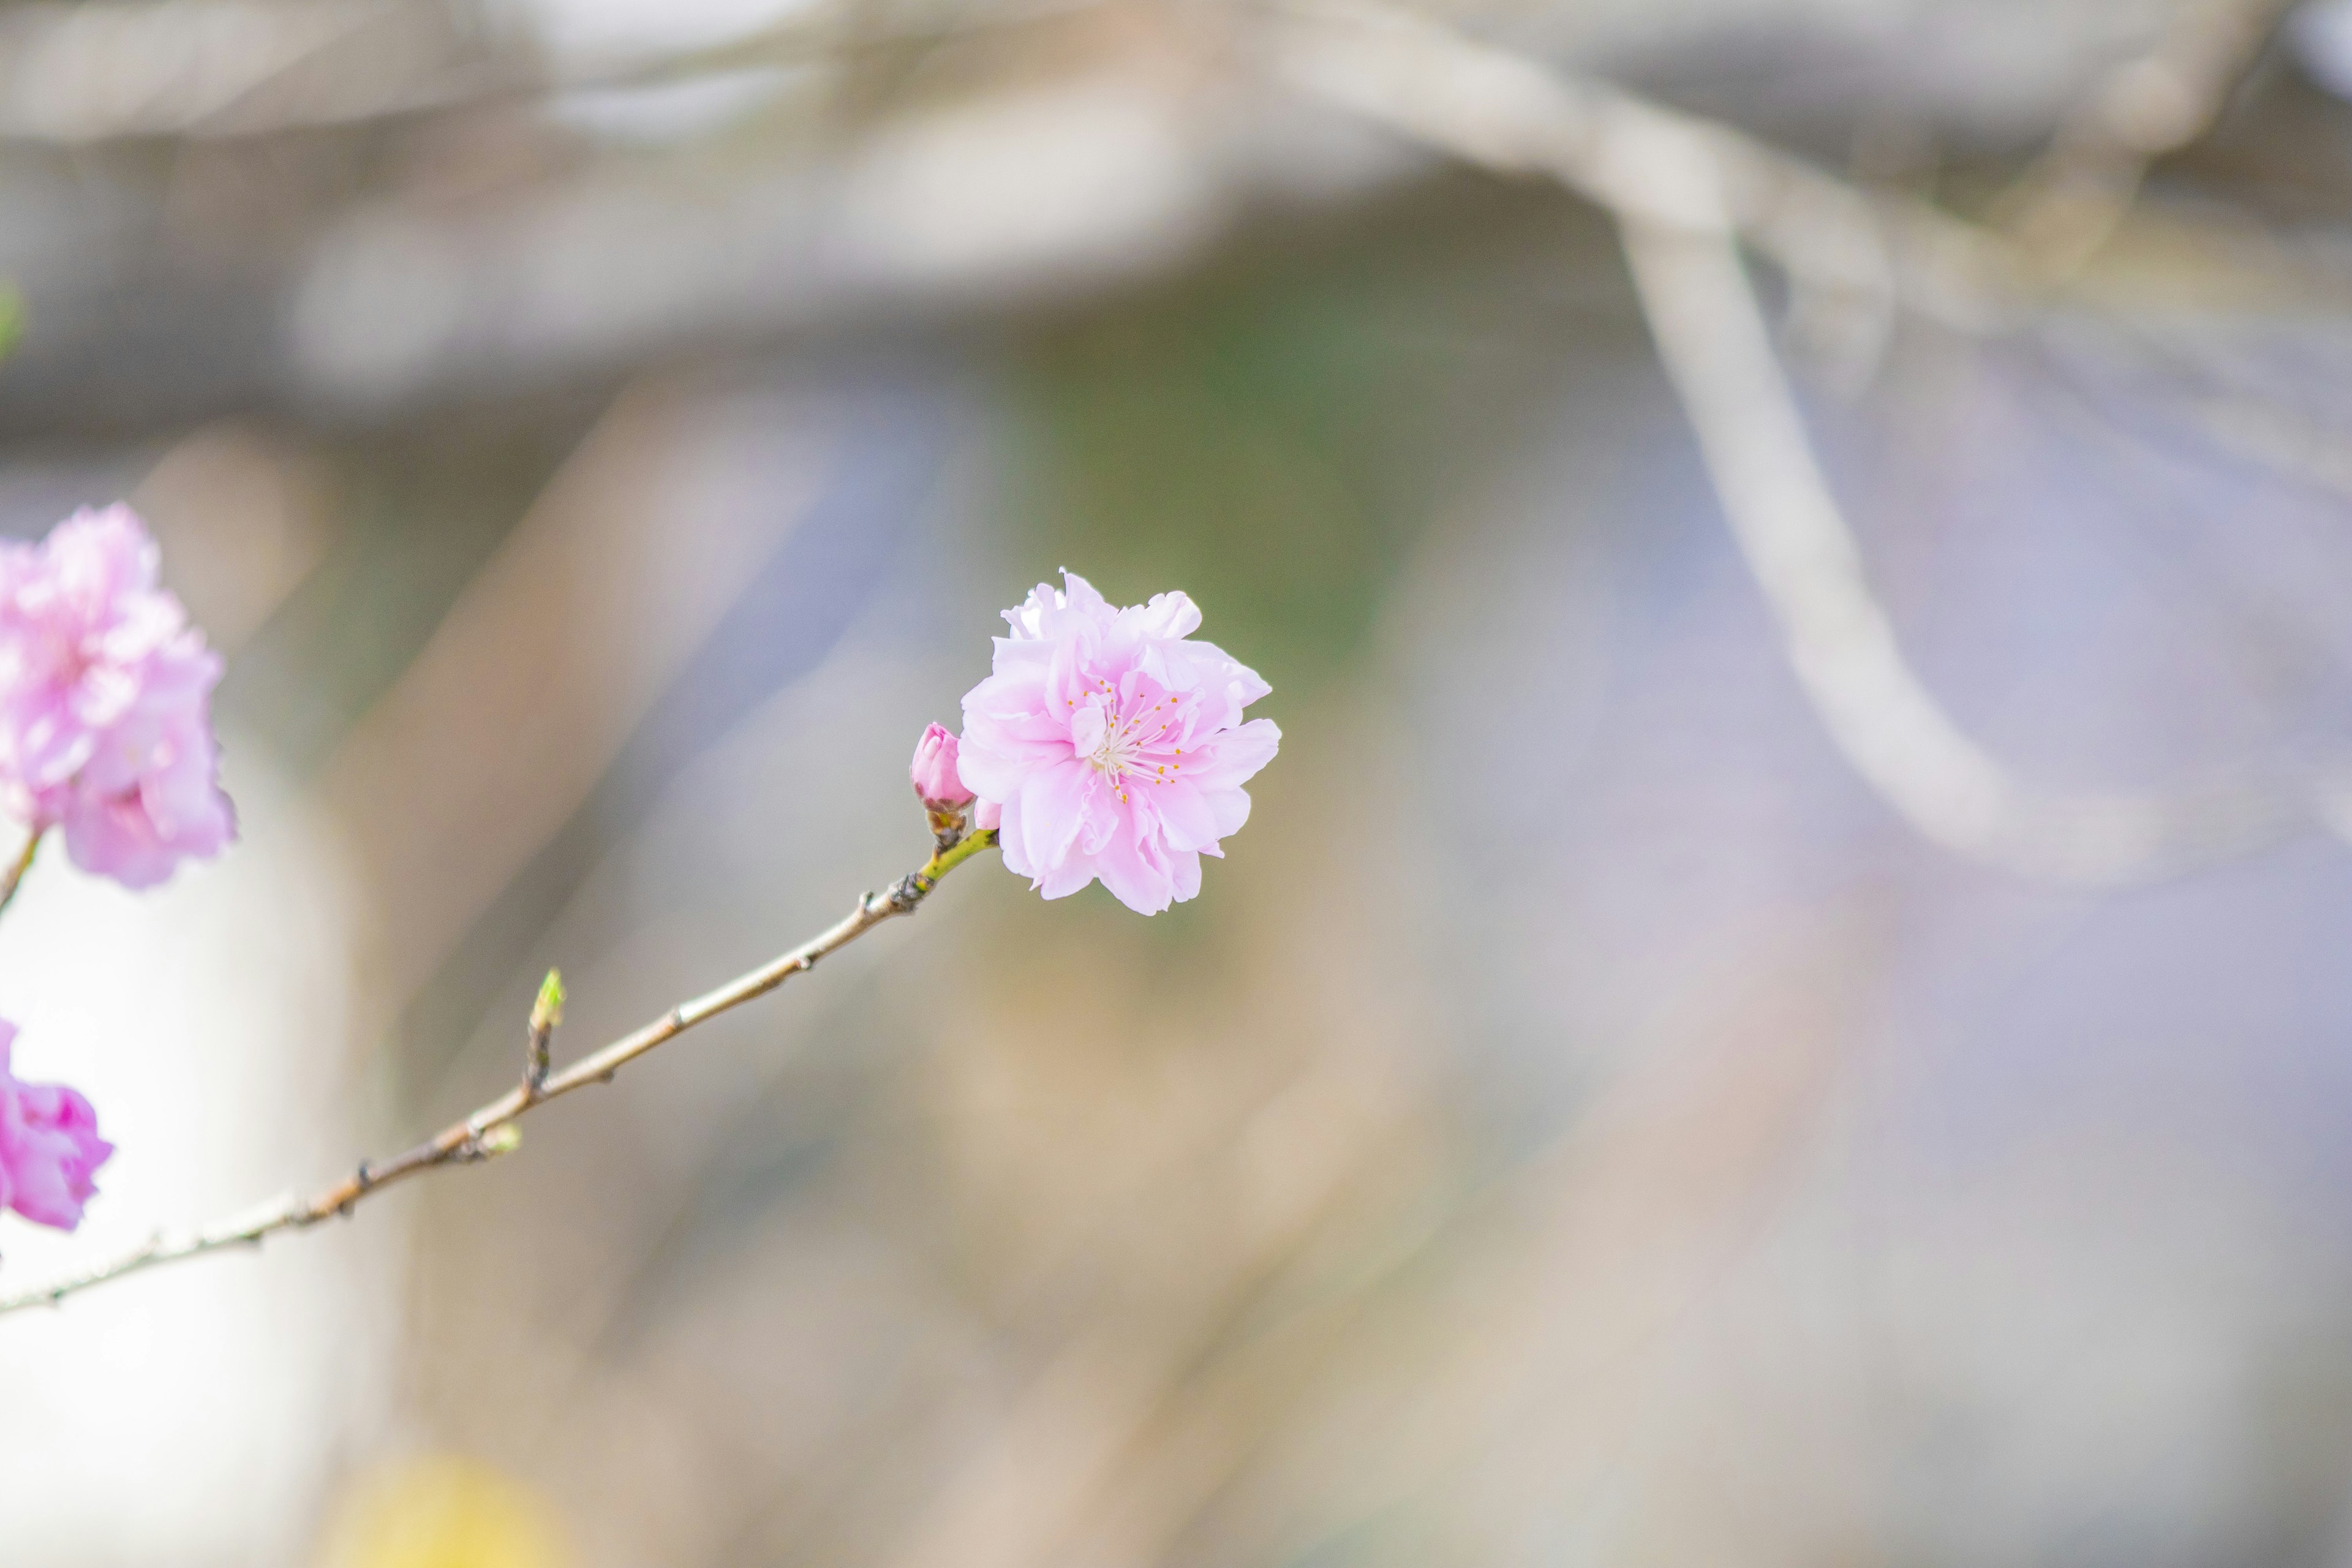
column 1275, row 434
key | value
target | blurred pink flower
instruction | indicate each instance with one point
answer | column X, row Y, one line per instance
column 1112, row 745
column 937, row 782
column 105, row 698
column 49, row 1146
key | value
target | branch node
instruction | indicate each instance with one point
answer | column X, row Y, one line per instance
column 908, row 891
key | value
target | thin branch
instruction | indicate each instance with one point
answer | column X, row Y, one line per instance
column 490, row 1131
column 14, row 877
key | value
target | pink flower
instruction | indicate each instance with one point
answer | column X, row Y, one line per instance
column 1112, row 745
column 49, row 1146
column 105, row 702
column 937, row 782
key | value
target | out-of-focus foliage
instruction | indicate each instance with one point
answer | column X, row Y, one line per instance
column 441, row 1512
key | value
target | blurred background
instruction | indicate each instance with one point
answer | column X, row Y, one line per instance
column 1657, row 1081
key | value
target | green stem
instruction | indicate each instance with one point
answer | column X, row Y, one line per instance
column 946, row 860
column 14, row 875
column 916, row 886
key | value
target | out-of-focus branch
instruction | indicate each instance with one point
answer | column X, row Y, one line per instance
column 217, row 68
column 1502, row 111
column 490, row 1131
column 1717, row 352
column 1684, row 192
column 2071, row 199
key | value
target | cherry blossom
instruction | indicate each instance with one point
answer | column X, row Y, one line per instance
column 49, row 1146
column 105, row 702
column 1109, row 743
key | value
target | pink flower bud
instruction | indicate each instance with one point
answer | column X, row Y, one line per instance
column 50, row 1147
column 937, row 784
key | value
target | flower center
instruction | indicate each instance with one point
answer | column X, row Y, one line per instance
column 1135, row 743
column 1116, row 753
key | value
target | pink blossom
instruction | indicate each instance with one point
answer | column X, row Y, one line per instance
column 937, row 782
column 1111, row 744
column 49, row 1146
column 105, row 702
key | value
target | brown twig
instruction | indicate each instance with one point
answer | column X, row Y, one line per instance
column 490, row 1130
